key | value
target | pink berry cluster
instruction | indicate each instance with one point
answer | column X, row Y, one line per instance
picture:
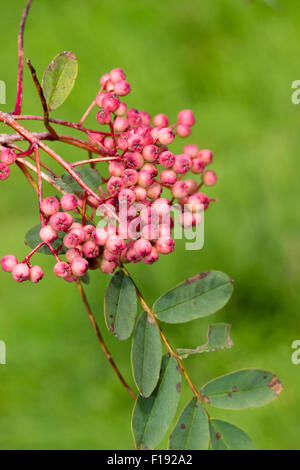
column 146, row 180
column 7, row 157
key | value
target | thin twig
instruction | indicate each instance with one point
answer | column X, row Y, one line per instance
column 100, row 339
column 27, row 175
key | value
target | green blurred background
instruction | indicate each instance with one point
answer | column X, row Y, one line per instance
column 233, row 62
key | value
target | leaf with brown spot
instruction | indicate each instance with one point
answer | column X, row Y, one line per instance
column 218, row 337
column 226, row 436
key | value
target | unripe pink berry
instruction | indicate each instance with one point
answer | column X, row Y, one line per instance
column 61, row 221
column 8, row 263
column 71, row 254
column 4, row 171
column 197, row 166
column 167, row 159
column 151, row 153
column 146, row 118
column 134, row 118
column 110, row 256
column 150, row 231
column 182, row 163
column 115, row 244
column 89, row 231
column 142, row 247
column 206, row 156
column 149, row 215
column 180, row 189
column 162, row 206
column 50, row 206
column 120, row 124
column 130, row 177
column 80, row 233
column 151, row 168
column 164, row 230
column 114, row 185
column 183, row 130
column 109, row 143
column 152, row 257
column 101, row 236
column 165, row 245
column 132, row 256
column 135, row 143
column 36, row 274
column 197, row 202
column 154, row 133
column 79, row 266
column 126, row 196
column 21, row 272
column 192, row 184
column 71, row 240
column 166, row 135
column 121, row 110
column 140, row 193
column 191, row 150
column 8, row 156
column 104, row 79
column 161, row 120
column 48, row 234
column 145, row 178
column 209, row 178
column 154, row 191
column 186, row 117
column 134, row 160
column 116, row 168
column 108, row 267
column 70, row 278
column 68, row 202
column 62, row 269
column 90, row 249
column 110, row 102
column 187, row 219
column 122, row 88
column 99, row 99
column 116, row 75
column 103, row 116
column 168, row 177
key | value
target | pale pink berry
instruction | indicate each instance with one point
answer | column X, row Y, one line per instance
column 192, row 184
column 154, row 133
column 116, row 168
column 164, row 230
column 89, row 231
column 135, row 143
column 197, row 166
column 206, row 156
column 182, row 164
column 145, row 178
column 4, row 171
column 71, row 254
column 70, row 278
column 134, row 118
column 126, row 196
column 110, row 256
column 130, row 177
column 114, row 185
column 61, row 221
column 183, row 130
column 116, row 75
column 191, row 150
column 150, row 231
column 8, row 263
column 71, row 240
column 120, row 124
column 187, row 219
column 79, row 266
column 132, row 256
column 149, row 215
column 75, row 225
column 146, row 118
column 103, row 116
column 166, row 135
column 140, row 193
column 62, row 269
column 68, row 202
column 48, row 234
column 151, row 153
column 122, row 88
column 165, row 245
column 101, row 236
column 50, row 206
column 110, row 102
column 90, row 249
column 142, row 247
column 99, row 99
column 21, row 272
column 8, row 156
column 36, row 274
column 134, row 160
column 80, row 233
column 104, row 79
column 121, row 110
column 180, row 189
column 161, row 120
column 209, row 178
column 197, row 202
column 168, row 177
column 162, row 206
column 108, row 267
column 186, row 117
column 151, row 168
column 152, row 257
column 115, row 244
column 167, row 159
column 154, row 191
column 109, row 143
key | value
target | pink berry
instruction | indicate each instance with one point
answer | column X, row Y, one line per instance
column 79, row 266
column 110, row 102
column 142, row 247
column 120, row 124
column 150, row 231
column 122, row 88
column 121, row 110
column 114, row 185
column 187, row 219
column 61, row 221
column 104, row 79
column 115, row 244
column 79, row 232
column 197, row 202
column 50, row 206
column 116, row 75
column 135, row 143
column 68, row 202
column 162, row 206
column 209, row 178
column 116, row 168
column 191, row 150
column 99, row 99
column 108, row 267
column 180, row 189
column 109, row 143
column 168, row 177
column 134, row 118
column 48, row 234
column 186, row 117
column 183, row 130
column 134, row 160
column 36, row 274
column 71, row 240
column 145, row 178
column 152, row 257
column 154, row 191
column 140, row 193
column 165, row 245
column 8, row 263
column 206, row 156
column 71, row 254
column 182, row 163
column 8, row 156
column 21, row 272
column 192, row 184
column 151, row 153
column 126, row 197
column 197, row 166
column 103, row 116
column 130, row 177
column 146, row 118
column 90, row 249
column 89, row 231
column 62, row 269
column 167, row 159
column 101, row 236
column 161, row 120
column 166, row 135
column 4, row 171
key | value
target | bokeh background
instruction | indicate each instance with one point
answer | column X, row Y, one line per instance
column 233, row 62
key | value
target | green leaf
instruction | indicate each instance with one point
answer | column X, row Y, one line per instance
column 246, row 388
column 152, row 416
column 120, row 306
column 59, row 78
column 90, row 176
column 225, row 436
column 191, row 431
column 146, row 355
column 196, row 297
column 218, row 337
column 33, row 239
